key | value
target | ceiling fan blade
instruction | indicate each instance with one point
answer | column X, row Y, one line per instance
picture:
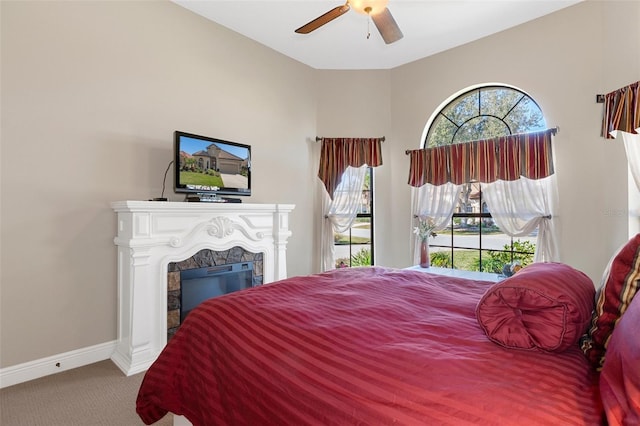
column 324, row 19
column 387, row 26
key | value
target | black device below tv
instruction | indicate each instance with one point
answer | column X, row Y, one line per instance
column 206, row 168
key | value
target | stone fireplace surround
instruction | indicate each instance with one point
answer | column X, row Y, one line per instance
column 151, row 235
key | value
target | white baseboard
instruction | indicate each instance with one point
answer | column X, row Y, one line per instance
column 13, row 375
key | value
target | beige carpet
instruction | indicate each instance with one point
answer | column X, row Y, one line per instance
column 97, row 394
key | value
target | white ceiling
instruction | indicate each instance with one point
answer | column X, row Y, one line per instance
column 429, row 27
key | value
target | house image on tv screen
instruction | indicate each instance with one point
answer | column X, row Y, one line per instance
column 206, row 165
column 217, row 159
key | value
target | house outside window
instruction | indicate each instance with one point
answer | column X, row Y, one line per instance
column 473, row 241
column 355, row 246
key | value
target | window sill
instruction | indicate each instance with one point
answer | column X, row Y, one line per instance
column 471, row 275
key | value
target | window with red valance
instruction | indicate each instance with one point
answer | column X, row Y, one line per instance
column 621, row 115
column 346, row 171
column 485, row 178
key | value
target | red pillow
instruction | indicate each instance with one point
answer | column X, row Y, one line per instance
column 620, row 377
column 545, row 306
column 621, row 282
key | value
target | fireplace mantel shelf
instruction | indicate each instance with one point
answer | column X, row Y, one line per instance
column 152, row 234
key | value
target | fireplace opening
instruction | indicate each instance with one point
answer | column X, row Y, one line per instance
column 204, row 283
column 206, row 261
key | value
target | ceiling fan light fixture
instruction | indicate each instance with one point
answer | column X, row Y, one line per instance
column 368, row 7
column 376, row 10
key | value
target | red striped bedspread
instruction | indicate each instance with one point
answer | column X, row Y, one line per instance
column 365, row 346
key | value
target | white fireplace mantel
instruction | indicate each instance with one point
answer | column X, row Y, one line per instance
column 153, row 234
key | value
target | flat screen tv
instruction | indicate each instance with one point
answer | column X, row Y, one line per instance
column 207, row 167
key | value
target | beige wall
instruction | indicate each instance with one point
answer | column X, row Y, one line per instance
column 562, row 61
column 91, row 95
column 92, row 91
column 357, row 104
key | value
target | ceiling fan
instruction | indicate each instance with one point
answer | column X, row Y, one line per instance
column 376, row 9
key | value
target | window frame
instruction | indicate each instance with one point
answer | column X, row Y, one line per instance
column 428, row 142
column 460, row 97
column 369, row 215
column 480, row 216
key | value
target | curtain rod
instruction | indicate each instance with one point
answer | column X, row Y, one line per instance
column 548, row 216
column 554, row 131
column 320, row 138
column 599, row 99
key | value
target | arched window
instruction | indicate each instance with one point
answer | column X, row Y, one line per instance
column 472, row 240
column 483, row 113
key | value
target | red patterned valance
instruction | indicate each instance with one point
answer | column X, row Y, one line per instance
column 339, row 153
column 502, row 158
column 622, row 110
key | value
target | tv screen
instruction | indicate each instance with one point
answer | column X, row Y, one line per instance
column 208, row 167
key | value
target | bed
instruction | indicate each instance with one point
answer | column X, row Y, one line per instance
column 382, row 346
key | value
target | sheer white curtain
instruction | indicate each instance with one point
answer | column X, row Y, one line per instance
column 436, row 203
column 632, row 147
column 339, row 213
column 520, row 206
